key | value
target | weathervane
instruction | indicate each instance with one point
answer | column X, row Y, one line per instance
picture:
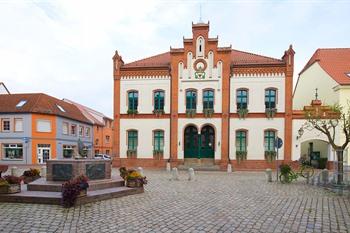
column 316, row 94
column 200, row 13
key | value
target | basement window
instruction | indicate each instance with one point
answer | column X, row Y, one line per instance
column 60, row 108
column 21, row 103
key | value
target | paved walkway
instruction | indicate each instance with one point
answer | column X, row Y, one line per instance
column 216, row 202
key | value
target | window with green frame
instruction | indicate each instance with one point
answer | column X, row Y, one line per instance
column 191, row 99
column 241, row 140
column 132, row 140
column 269, row 139
column 158, row 100
column 208, row 99
column 133, row 100
column 270, row 98
column 242, row 99
column 158, row 140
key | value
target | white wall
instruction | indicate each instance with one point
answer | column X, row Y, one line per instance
column 314, row 77
column 145, row 86
column 256, row 128
column 145, row 129
column 257, row 86
column 199, row 123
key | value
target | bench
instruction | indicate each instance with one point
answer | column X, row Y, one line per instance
column 3, row 168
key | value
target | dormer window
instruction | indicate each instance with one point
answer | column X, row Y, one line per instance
column 60, row 108
column 21, row 103
column 348, row 74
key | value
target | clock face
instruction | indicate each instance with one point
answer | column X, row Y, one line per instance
column 200, row 66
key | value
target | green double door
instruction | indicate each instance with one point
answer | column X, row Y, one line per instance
column 199, row 145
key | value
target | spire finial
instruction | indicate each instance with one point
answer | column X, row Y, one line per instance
column 316, row 94
column 200, row 13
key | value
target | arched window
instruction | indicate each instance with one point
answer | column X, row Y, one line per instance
column 132, row 140
column 191, row 99
column 159, row 100
column 242, row 98
column 133, row 100
column 158, row 140
column 270, row 98
column 269, row 140
column 200, row 46
column 208, row 99
column 241, row 140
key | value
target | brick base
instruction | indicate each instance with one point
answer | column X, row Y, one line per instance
column 253, row 165
column 144, row 163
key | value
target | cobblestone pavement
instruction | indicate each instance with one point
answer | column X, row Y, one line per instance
column 215, row 202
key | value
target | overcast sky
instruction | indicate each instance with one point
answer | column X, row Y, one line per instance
column 65, row 48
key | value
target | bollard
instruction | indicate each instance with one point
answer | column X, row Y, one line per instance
column 168, row 167
column 307, row 177
column 269, row 174
column 175, row 174
column 43, row 171
column 14, row 171
column 140, row 170
column 229, row 168
column 191, row 174
column 324, row 176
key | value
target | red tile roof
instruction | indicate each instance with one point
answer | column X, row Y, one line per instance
column 237, row 58
column 335, row 61
column 245, row 58
column 40, row 103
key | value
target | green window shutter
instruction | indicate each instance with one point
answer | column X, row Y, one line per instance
column 269, row 140
column 191, row 97
column 241, row 140
column 132, row 140
column 158, row 140
column 159, row 100
column 270, row 98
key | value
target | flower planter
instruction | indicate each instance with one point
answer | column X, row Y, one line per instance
column 134, row 183
column 9, row 189
column 83, row 193
column 29, row 179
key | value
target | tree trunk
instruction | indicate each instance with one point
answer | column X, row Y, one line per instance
column 340, row 166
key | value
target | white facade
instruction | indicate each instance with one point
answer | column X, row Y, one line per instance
column 256, row 86
column 145, row 128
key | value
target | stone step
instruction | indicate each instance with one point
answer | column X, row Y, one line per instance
column 199, row 167
column 54, row 198
column 55, row 186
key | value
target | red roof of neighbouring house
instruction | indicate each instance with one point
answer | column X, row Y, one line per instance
column 334, row 61
column 40, row 103
column 237, row 58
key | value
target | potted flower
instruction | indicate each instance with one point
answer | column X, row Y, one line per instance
column 240, row 156
column 132, row 178
column 31, row 175
column 270, row 156
column 10, row 184
column 73, row 189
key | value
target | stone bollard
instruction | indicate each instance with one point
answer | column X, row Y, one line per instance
column 229, row 168
column 324, row 176
column 168, row 167
column 269, row 174
column 14, row 171
column 175, row 174
column 43, row 171
column 191, row 175
column 140, row 170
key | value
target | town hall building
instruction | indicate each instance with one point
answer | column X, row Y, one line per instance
column 203, row 103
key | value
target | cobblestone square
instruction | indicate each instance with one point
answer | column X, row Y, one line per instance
column 215, row 202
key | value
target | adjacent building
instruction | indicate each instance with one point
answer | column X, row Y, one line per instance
column 37, row 127
column 102, row 127
column 205, row 103
column 326, row 75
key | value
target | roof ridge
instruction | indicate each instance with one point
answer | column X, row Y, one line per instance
column 255, row 54
column 157, row 55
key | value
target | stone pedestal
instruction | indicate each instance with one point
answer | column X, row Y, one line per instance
column 66, row 169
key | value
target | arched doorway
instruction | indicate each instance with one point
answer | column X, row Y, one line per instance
column 207, row 142
column 199, row 145
column 316, row 152
column 191, row 142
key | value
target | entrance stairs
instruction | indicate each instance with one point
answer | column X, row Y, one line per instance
column 202, row 164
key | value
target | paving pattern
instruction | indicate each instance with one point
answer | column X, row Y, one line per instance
column 215, row 202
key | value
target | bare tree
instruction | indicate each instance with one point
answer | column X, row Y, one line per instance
column 327, row 120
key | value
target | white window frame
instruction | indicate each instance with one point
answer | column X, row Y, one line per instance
column 2, row 124
column 43, row 130
column 17, row 120
column 65, row 124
